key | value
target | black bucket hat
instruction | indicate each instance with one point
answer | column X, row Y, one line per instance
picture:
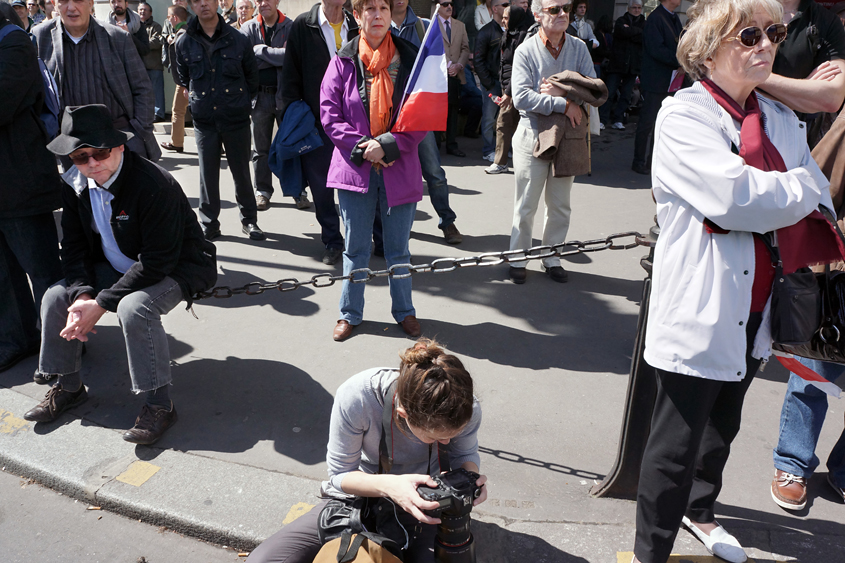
column 87, row 126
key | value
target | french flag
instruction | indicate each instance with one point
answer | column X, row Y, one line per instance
column 805, row 373
column 426, row 100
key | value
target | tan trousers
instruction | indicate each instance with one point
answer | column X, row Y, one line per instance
column 505, row 126
column 180, row 107
column 534, row 179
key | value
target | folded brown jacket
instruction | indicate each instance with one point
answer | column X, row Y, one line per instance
column 557, row 140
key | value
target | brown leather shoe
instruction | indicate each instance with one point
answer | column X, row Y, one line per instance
column 151, row 425
column 56, row 402
column 262, row 202
column 789, row 491
column 411, row 326
column 452, row 234
column 342, row 330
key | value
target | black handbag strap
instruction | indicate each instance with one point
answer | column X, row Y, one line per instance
column 349, row 547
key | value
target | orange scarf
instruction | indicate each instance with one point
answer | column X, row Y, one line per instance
column 381, row 92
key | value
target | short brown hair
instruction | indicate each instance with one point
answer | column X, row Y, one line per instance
column 434, row 388
column 178, row 11
column 358, row 5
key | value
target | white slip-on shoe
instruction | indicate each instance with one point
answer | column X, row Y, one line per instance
column 720, row 543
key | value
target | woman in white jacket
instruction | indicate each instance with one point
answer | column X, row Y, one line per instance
column 728, row 163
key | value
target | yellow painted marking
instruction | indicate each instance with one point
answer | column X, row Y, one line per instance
column 10, row 424
column 626, row 556
column 138, row 473
column 296, row 511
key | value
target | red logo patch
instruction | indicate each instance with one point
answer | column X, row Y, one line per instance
column 122, row 217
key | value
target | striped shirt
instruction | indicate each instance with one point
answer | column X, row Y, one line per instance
column 83, row 80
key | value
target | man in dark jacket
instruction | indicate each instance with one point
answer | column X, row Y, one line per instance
column 131, row 245
column 625, row 59
column 488, row 55
column 153, row 60
column 307, row 57
column 268, row 34
column 123, row 17
column 216, row 63
column 661, row 33
column 29, row 192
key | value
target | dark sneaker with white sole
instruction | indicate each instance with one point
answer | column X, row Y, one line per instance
column 57, row 401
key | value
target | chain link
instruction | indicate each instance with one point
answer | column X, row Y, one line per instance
column 439, row 266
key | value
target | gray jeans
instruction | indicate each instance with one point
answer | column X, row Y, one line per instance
column 139, row 314
column 264, row 117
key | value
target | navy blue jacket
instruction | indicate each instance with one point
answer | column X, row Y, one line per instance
column 222, row 82
column 660, row 42
column 297, row 135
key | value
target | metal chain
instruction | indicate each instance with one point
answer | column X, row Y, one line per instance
column 439, row 266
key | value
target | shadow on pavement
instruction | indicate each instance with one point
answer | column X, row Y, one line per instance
column 551, row 466
column 495, row 544
column 294, row 303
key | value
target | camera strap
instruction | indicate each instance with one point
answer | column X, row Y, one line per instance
column 385, row 463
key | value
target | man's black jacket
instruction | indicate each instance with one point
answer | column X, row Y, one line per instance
column 152, row 223
column 488, row 54
column 660, row 42
column 221, row 82
column 627, row 53
column 29, row 180
column 306, row 59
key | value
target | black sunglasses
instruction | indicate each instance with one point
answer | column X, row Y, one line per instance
column 555, row 10
column 750, row 36
column 98, row 155
column 446, row 4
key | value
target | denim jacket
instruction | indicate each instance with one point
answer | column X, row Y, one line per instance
column 222, row 81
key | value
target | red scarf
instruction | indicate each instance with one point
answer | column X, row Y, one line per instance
column 810, row 241
column 261, row 23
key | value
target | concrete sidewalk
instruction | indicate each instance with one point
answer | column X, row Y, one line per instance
column 254, row 379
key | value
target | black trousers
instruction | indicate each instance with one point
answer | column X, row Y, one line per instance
column 645, row 127
column 238, row 154
column 452, row 116
column 694, row 422
column 315, row 168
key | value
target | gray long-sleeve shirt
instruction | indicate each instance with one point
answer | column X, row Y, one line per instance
column 356, row 427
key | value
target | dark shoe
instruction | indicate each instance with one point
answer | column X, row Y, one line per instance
column 55, row 403
column 557, row 273
column 641, row 169
column 342, row 330
column 302, row 201
column 452, row 235
column 43, row 378
column 262, row 202
column 211, row 235
column 411, row 326
column 789, row 491
column 151, row 425
column 253, row 232
column 517, row 275
column 839, row 490
column 456, row 152
column 332, row 255
column 168, row 146
column 9, row 363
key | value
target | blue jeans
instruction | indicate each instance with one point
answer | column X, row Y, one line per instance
column 435, row 178
column 139, row 314
column 157, row 78
column 28, row 246
column 358, row 212
column 489, row 113
column 801, row 419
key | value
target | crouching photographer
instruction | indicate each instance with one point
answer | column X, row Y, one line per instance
column 390, row 432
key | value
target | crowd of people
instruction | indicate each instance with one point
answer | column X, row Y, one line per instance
column 730, row 106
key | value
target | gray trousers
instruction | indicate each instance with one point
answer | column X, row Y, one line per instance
column 264, row 117
column 298, row 541
column 139, row 314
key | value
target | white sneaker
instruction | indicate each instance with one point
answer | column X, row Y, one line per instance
column 601, row 127
column 496, row 169
column 489, row 157
column 720, row 543
column 618, row 125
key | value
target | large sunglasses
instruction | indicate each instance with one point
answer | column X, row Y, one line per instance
column 750, row 36
column 98, row 155
column 555, row 10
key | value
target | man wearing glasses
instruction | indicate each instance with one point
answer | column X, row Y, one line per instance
column 131, row 246
column 548, row 52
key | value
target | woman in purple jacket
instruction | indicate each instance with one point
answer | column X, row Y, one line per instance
column 359, row 102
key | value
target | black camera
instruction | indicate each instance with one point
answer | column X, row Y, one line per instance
column 455, row 492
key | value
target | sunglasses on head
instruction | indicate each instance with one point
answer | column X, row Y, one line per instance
column 750, row 36
column 98, row 155
column 555, row 10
